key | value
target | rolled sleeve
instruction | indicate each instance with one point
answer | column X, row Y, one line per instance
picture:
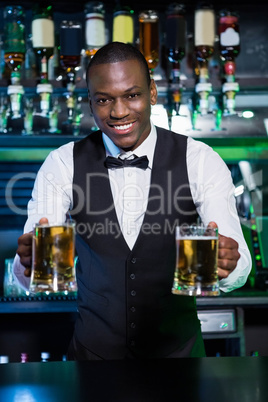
column 213, row 194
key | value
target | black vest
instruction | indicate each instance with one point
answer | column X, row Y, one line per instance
column 124, row 296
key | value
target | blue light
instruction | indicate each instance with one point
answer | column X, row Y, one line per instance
column 28, row 393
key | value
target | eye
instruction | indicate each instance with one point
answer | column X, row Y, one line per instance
column 101, row 101
column 133, row 96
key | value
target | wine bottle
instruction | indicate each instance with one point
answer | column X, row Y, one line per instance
column 229, row 39
column 43, row 37
column 70, row 48
column 149, row 37
column 175, row 37
column 204, row 38
column 123, row 24
column 14, row 40
column 29, row 67
column 94, row 27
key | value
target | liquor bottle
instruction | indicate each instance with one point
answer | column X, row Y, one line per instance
column 123, row 24
column 175, row 37
column 54, row 70
column 14, row 40
column 175, row 51
column 70, row 48
column 204, row 37
column 149, row 37
column 229, row 38
column 29, row 67
column 70, row 44
column 94, row 27
column 43, row 37
column 2, row 57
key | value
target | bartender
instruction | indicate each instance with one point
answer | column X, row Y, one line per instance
column 126, row 213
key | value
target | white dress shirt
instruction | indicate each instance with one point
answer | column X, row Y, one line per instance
column 210, row 183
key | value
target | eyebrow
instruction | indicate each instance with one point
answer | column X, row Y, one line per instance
column 126, row 91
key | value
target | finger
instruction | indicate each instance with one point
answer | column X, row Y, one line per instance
column 227, row 242
column 222, row 273
column 228, row 254
column 26, row 261
column 228, row 265
column 43, row 221
column 27, row 272
column 24, row 245
column 25, row 239
column 24, row 251
column 213, row 224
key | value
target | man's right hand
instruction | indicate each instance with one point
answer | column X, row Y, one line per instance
column 24, row 249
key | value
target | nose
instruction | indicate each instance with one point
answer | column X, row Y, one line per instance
column 119, row 109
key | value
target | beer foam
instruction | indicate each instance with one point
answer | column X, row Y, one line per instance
column 193, row 237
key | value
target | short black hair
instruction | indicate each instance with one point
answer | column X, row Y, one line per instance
column 115, row 52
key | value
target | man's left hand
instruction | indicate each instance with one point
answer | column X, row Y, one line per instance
column 228, row 256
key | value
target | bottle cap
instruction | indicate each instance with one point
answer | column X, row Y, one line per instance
column 203, row 87
column 24, row 357
column 15, row 89
column 45, row 355
column 230, row 86
column 4, row 359
column 44, row 88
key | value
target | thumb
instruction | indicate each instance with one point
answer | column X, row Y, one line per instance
column 212, row 225
column 43, row 221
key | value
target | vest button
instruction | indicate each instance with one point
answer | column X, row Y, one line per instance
column 132, row 343
column 132, row 276
column 133, row 309
column 134, row 260
column 133, row 325
column 133, row 292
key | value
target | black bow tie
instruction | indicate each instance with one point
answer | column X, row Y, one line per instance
column 140, row 162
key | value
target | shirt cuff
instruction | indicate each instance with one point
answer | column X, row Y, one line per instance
column 239, row 275
column 18, row 272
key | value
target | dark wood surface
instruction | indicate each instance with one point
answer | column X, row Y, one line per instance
column 218, row 379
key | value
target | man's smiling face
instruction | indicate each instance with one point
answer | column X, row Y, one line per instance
column 120, row 100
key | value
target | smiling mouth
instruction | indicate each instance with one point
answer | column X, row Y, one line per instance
column 123, row 126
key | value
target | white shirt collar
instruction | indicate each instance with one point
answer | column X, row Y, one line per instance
column 147, row 147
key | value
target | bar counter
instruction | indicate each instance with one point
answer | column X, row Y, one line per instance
column 56, row 304
column 217, row 379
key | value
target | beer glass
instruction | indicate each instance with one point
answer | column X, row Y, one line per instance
column 196, row 261
column 53, row 257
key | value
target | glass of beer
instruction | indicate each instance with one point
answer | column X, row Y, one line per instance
column 53, row 259
column 196, row 261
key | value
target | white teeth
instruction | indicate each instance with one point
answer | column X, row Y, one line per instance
column 124, row 127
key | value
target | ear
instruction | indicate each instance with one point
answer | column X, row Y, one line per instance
column 153, row 92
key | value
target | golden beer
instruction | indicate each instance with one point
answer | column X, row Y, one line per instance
column 196, row 265
column 53, row 257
